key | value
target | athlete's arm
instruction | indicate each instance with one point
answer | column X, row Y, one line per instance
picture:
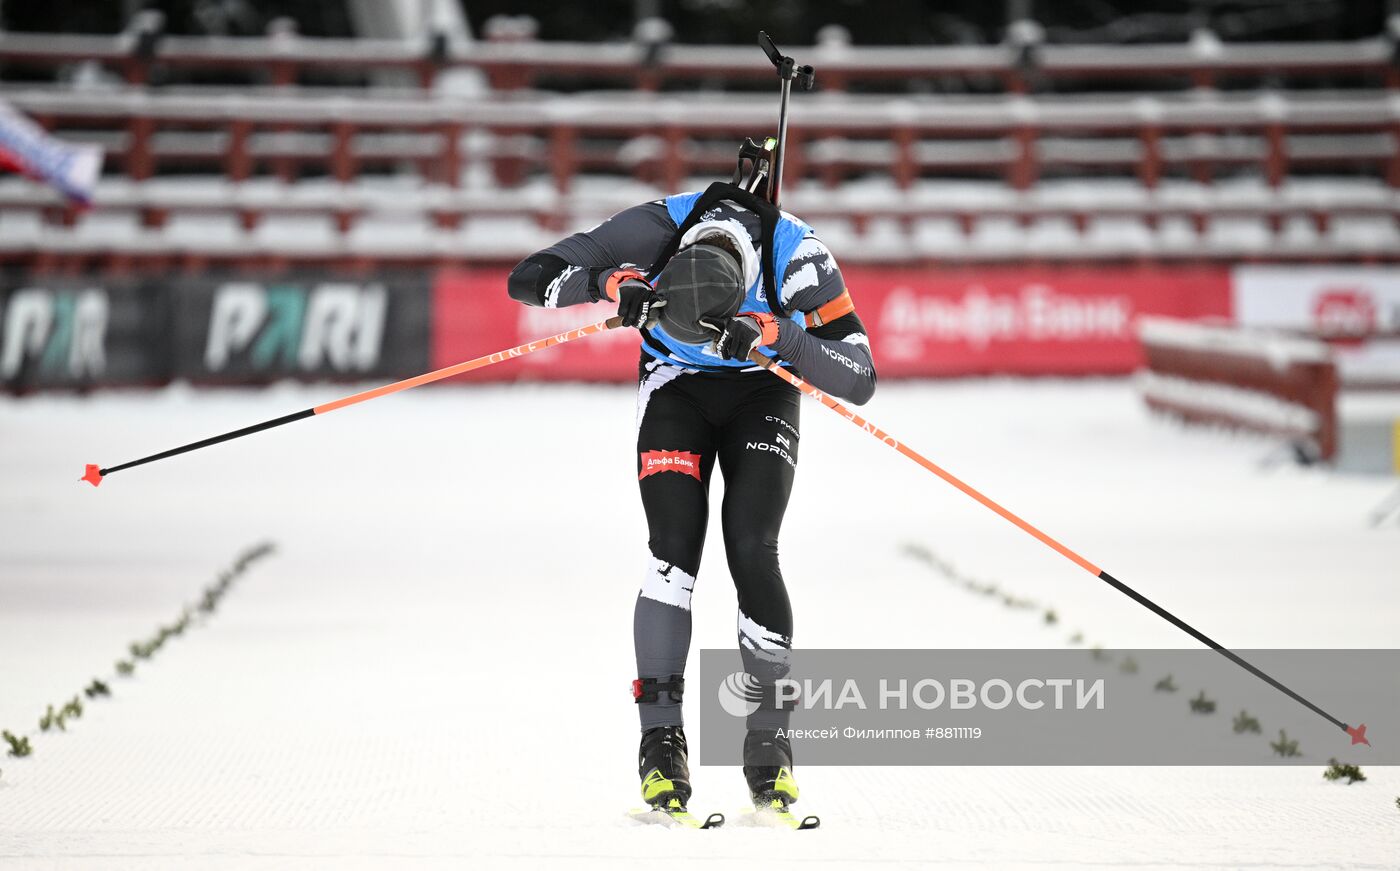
column 573, row 270
column 834, row 356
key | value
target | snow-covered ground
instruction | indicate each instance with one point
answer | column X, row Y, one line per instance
column 433, row 669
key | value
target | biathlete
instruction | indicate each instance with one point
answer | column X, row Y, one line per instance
column 708, row 278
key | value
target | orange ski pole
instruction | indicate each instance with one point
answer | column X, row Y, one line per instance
column 94, row 475
column 1357, row 733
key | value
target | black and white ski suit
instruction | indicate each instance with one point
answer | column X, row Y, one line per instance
column 691, row 413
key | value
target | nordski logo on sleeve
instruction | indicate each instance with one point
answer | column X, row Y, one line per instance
column 654, row 462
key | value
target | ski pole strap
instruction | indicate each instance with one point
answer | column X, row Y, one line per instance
column 649, row 689
column 830, row 311
column 611, row 288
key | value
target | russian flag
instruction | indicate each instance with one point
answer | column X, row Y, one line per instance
column 27, row 148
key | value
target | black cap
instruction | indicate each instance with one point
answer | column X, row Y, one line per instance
column 701, row 281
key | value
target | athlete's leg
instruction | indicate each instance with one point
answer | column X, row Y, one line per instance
column 758, row 457
column 676, row 453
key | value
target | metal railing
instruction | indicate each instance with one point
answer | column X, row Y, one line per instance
column 512, row 64
column 667, row 138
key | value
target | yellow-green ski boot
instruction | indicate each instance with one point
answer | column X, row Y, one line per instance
column 768, row 768
column 664, row 767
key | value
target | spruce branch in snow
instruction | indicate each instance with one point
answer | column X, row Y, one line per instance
column 72, row 708
column 1051, row 618
column 1202, row 705
column 1337, row 770
column 1128, row 665
column 256, row 553
column 1245, row 723
column 1165, row 685
column 19, row 745
column 1284, row 746
column 179, row 626
column 918, row 552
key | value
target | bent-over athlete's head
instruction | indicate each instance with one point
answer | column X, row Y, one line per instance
column 706, row 280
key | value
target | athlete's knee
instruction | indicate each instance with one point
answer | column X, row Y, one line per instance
column 668, row 583
column 752, row 553
column 680, row 546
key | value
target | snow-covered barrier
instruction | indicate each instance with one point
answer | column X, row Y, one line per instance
column 1225, row 375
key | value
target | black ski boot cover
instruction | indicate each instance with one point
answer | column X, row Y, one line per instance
column 664, row 766
column 768, row 768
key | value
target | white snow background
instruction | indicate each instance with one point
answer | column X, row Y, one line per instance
column 433, row 669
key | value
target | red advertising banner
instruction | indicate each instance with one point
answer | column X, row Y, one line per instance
column 923, row 322
column 1023, row 321
column 473, row 315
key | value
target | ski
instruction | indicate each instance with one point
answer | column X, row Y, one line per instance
column 675, row 818
column 777, row 816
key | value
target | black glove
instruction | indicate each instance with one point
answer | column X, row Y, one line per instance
column 739, row 336
column 635, row 297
